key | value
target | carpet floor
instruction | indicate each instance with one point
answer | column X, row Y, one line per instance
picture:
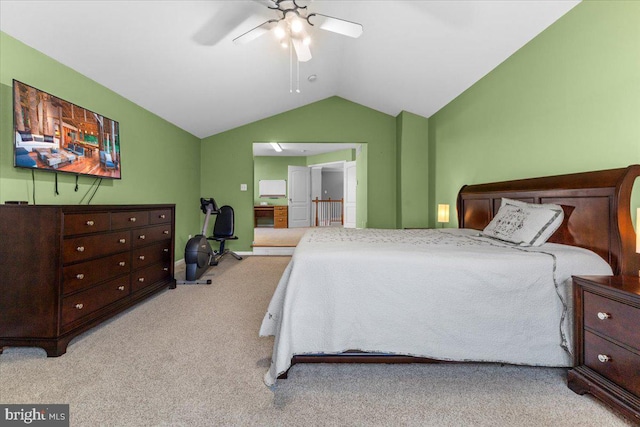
column 192, row 357
column 277, row 237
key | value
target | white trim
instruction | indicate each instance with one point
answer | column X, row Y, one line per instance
column 273, row 251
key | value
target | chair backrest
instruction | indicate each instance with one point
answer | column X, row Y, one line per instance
column 224, row 226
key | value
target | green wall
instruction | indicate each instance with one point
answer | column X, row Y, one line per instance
column 331, row 120
column 568, row 101
column 412, row 136
column 273, row 167
column 347, row 155
column 159, row 161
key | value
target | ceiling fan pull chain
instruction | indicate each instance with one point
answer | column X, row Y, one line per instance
column 290, row 67
column 297, row 76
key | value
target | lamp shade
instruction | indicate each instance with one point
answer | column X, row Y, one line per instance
column 443, row 213
column 638, row 231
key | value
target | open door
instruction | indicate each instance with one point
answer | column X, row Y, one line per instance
column 350, row 189
column 299, row 187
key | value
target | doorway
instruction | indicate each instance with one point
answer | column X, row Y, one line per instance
column 319, row 173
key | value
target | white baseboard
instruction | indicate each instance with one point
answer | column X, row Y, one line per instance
column 273, row 250
column 256, row 251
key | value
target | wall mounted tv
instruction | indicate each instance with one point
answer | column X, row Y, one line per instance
column 52, row 134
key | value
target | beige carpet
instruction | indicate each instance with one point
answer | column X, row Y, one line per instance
column 277, row 237
column 192, row 357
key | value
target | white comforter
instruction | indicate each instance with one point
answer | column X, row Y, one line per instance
column 442, row 294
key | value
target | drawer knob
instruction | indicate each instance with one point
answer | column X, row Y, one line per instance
column 165, row 268
column 141, row 279
column 142, row 237
column 122, row 263
column 603, row 316
column 603, row 358
column 141, row 257
column 90, row 223
column 80, row 249
column 79, row 306
column 121, row 288
column 123, row 240
column 166, row 250
column 163, row 216
column 132, row 219
column 165, row 232
column 80, row 276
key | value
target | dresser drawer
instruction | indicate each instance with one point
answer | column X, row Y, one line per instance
column 151, row 254
column 81, row 248
column 160, row 216
column 618, row 364
column 123, row 220
column 280, row 222
column 83, row 223
column 86, row 274
column 147, row 235
column 149, row 275
column 84, row 303
column 619, row 321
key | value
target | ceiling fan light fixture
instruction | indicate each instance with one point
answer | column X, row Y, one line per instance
column 279, row 32
column 296, row 25
column 306, row 40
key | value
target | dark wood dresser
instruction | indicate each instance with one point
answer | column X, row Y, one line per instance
column 607, row 341
column 66, row 269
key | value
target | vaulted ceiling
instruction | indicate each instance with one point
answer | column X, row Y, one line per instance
column 177, row 59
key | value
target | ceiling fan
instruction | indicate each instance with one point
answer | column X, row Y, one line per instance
column 289, row 27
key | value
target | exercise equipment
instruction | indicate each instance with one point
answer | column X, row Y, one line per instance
column 198, row 254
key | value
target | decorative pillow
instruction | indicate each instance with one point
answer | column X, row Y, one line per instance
column 526, row 224
column 48, row 138
column 38, row 138
column 107, row 157
column 25, row 136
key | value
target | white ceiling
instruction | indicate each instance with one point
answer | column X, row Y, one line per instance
column 176, row 58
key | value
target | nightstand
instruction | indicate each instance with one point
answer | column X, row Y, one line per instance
column 607, row 341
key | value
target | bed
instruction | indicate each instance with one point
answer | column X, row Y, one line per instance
column 453, row 294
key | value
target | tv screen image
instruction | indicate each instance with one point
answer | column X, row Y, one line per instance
column 52, row 134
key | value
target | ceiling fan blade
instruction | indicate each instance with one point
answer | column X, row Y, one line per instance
column 302, row 50
column 256, row 32
column 336, row 25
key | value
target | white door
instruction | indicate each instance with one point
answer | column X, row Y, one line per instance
column 299, row 196
column 350, row 184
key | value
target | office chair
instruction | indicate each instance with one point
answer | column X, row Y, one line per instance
column 223, row 230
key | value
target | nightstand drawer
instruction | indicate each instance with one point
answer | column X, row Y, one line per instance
column 613, row 319
column 613, row 362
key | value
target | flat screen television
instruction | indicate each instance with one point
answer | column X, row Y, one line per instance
column 52, row 134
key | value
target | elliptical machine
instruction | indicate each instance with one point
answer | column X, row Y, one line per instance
column 198, row 254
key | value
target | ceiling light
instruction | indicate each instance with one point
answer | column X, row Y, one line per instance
column 306, row 41
column 279, row 32
column 296, row 25
column 276, row 146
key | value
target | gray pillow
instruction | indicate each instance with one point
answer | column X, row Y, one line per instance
column 526, row 224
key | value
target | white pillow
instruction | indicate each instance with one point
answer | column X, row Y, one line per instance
column 526, row 224
column 107, row 157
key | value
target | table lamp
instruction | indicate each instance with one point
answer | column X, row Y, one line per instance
column 443, row 214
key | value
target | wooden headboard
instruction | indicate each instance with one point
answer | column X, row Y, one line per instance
column 597, row 209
